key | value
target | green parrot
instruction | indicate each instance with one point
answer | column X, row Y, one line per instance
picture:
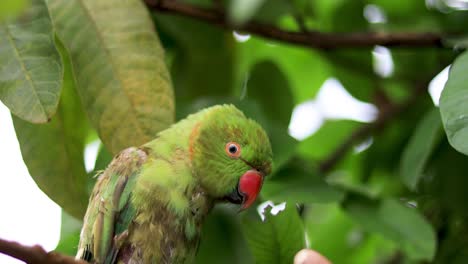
column 148, row 206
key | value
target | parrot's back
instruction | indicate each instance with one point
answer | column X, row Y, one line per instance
column 131, row 220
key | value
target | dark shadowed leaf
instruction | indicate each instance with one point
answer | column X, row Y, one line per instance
column 222, row 239
column 31, row 71
column 298, row 183
column 268, row 86
column 203, row 56
column 427, row 135
column 304, row 69
column 53, row 152
column 453, row 106
column 278, row 238
column 388, row 217
column 119, row 68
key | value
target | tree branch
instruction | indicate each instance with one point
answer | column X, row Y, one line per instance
column 313, row 39
column 386, row 114
column 35, row 254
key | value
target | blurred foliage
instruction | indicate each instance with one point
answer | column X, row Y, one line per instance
column 396, row 194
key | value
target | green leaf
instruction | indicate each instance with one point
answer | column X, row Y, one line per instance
column 305, row 70
column 268, row 86
column 31, row 70
column 199, row 50
column 333, row 233
column 297, row 183
column 53, row 152
column 403, row 225
column 278, row 238
column 222, row 231
column 119, row 68
column 453, row 107
column 426, row 136
column 69, row 235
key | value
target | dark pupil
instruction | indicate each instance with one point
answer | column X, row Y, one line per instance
column 232, row 149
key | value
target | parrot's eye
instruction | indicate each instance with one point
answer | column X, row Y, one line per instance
column 233, row 149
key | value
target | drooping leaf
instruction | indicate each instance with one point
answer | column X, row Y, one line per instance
column 426, row 136
column 53, row 152
column 453, row 107
column 278, row 238
column 31, row 69
column 388, row 217
column 119, row 68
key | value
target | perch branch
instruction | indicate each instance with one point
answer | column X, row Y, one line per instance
column 35, row 254
column 313, row 39
column 386, row 114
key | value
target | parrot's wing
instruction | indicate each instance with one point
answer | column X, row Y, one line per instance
column 109, row 211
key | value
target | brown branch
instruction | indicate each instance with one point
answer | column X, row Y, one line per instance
column 35, row 254
column 389, row 112
column 313, row 39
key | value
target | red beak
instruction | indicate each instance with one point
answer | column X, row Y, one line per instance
column 250, row 185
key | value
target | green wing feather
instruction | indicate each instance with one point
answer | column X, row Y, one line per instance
column 109, row 211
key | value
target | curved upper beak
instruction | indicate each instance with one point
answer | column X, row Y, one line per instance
column 248, row 188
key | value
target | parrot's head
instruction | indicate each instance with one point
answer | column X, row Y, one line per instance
column 231, row 155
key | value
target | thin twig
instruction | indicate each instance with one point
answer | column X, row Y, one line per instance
column 386, row 114
column 35, row 254
column 313, row 39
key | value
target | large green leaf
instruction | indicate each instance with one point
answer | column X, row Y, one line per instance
column 425, row 138
column 119, row 68
column 453, row 106
column 276, row 239
column 30, row 70
column 391, row 219
column 53, row 152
